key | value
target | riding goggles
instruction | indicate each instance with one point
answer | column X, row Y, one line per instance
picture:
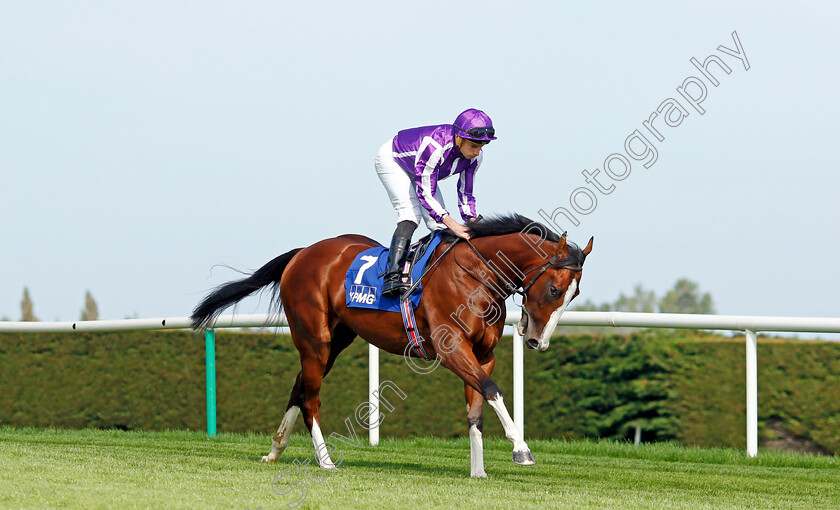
column 480, row 133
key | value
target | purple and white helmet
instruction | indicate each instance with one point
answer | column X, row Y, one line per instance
column 474, row 125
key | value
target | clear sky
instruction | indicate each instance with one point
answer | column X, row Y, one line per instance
column 143, row 143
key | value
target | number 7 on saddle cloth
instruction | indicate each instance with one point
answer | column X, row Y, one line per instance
column 363, row 285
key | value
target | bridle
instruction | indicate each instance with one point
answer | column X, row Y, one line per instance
column 510, row 286
column 521, row 289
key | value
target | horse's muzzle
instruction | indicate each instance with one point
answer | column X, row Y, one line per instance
column 523, row 323
column 532, row 343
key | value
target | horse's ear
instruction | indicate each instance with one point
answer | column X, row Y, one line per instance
column 588, row 246
column 562, row 248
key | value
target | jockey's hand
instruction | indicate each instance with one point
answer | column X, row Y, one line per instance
column 456, row 228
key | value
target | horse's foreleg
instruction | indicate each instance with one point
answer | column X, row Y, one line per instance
column 464, row 364
column 521, row 452
column 475, row 421
column 281, row 439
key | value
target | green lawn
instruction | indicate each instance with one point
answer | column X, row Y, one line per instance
column 115, row 469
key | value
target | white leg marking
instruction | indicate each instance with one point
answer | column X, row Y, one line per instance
column 511, row 432
column 321, row 452
column 545, row 337
column 476, row 453
column 281, row 439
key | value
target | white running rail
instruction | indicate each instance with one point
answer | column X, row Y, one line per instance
column 750, row 325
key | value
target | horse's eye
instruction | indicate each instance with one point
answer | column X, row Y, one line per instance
column 553, row 290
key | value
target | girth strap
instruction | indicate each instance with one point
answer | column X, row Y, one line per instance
column 414, row 338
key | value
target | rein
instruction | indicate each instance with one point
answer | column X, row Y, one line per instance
column 429, row 268
column 408, row 316
column 520, row 289
column 525, row 288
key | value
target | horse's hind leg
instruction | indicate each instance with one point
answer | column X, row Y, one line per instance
column 341, row 338
column 281, row 439
column 306, row 395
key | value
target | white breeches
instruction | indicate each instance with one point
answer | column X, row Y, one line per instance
column 402, row 191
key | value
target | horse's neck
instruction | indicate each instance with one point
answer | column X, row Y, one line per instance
column 511, row 254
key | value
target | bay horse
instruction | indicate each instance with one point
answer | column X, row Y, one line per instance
column 460, row 315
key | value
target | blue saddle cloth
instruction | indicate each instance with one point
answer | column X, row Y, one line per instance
column 363, row 285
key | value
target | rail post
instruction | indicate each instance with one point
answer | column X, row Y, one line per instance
column 210, row 368
column 752, row 393
column 373, row 393
column 518, row 382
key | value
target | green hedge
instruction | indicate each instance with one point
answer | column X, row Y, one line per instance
column 675, row 385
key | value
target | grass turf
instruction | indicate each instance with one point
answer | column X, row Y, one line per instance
column 116, row 469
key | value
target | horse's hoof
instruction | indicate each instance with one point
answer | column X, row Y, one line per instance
column 268, row 458
column 523, row 458
column 329, row 467
column 479, row 475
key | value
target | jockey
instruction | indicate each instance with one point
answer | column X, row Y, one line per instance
column 410, row 167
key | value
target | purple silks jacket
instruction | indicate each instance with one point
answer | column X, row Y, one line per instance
column 429, row 154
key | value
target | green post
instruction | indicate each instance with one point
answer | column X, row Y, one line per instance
column 210, row 363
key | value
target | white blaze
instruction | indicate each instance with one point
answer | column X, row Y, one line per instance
column 545, row 337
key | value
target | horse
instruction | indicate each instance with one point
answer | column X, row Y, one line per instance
column 460, row 316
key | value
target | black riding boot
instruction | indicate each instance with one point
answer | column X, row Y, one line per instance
column 393, row 285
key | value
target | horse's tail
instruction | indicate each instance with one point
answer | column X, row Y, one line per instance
column 230, row 293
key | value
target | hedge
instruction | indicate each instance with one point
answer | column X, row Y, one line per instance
column 676, row 385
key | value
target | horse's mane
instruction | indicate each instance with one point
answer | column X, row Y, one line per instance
column 506, row 224
column 514, row 223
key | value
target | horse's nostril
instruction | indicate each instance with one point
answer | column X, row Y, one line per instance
column 532, row 344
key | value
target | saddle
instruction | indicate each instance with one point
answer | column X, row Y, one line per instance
column 415, row 253
column 363, row 283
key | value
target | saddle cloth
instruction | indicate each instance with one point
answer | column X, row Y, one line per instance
column 363, row 282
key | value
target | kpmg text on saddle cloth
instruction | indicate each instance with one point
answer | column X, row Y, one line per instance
column 363, row 284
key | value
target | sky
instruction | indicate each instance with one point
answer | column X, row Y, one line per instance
column 149, row 149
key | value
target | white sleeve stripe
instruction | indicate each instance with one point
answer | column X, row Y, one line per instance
column 462, row 199
column 465, row 207
column 452, row 168
column 462, row 184
column 426, row 142
column 426, row 178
